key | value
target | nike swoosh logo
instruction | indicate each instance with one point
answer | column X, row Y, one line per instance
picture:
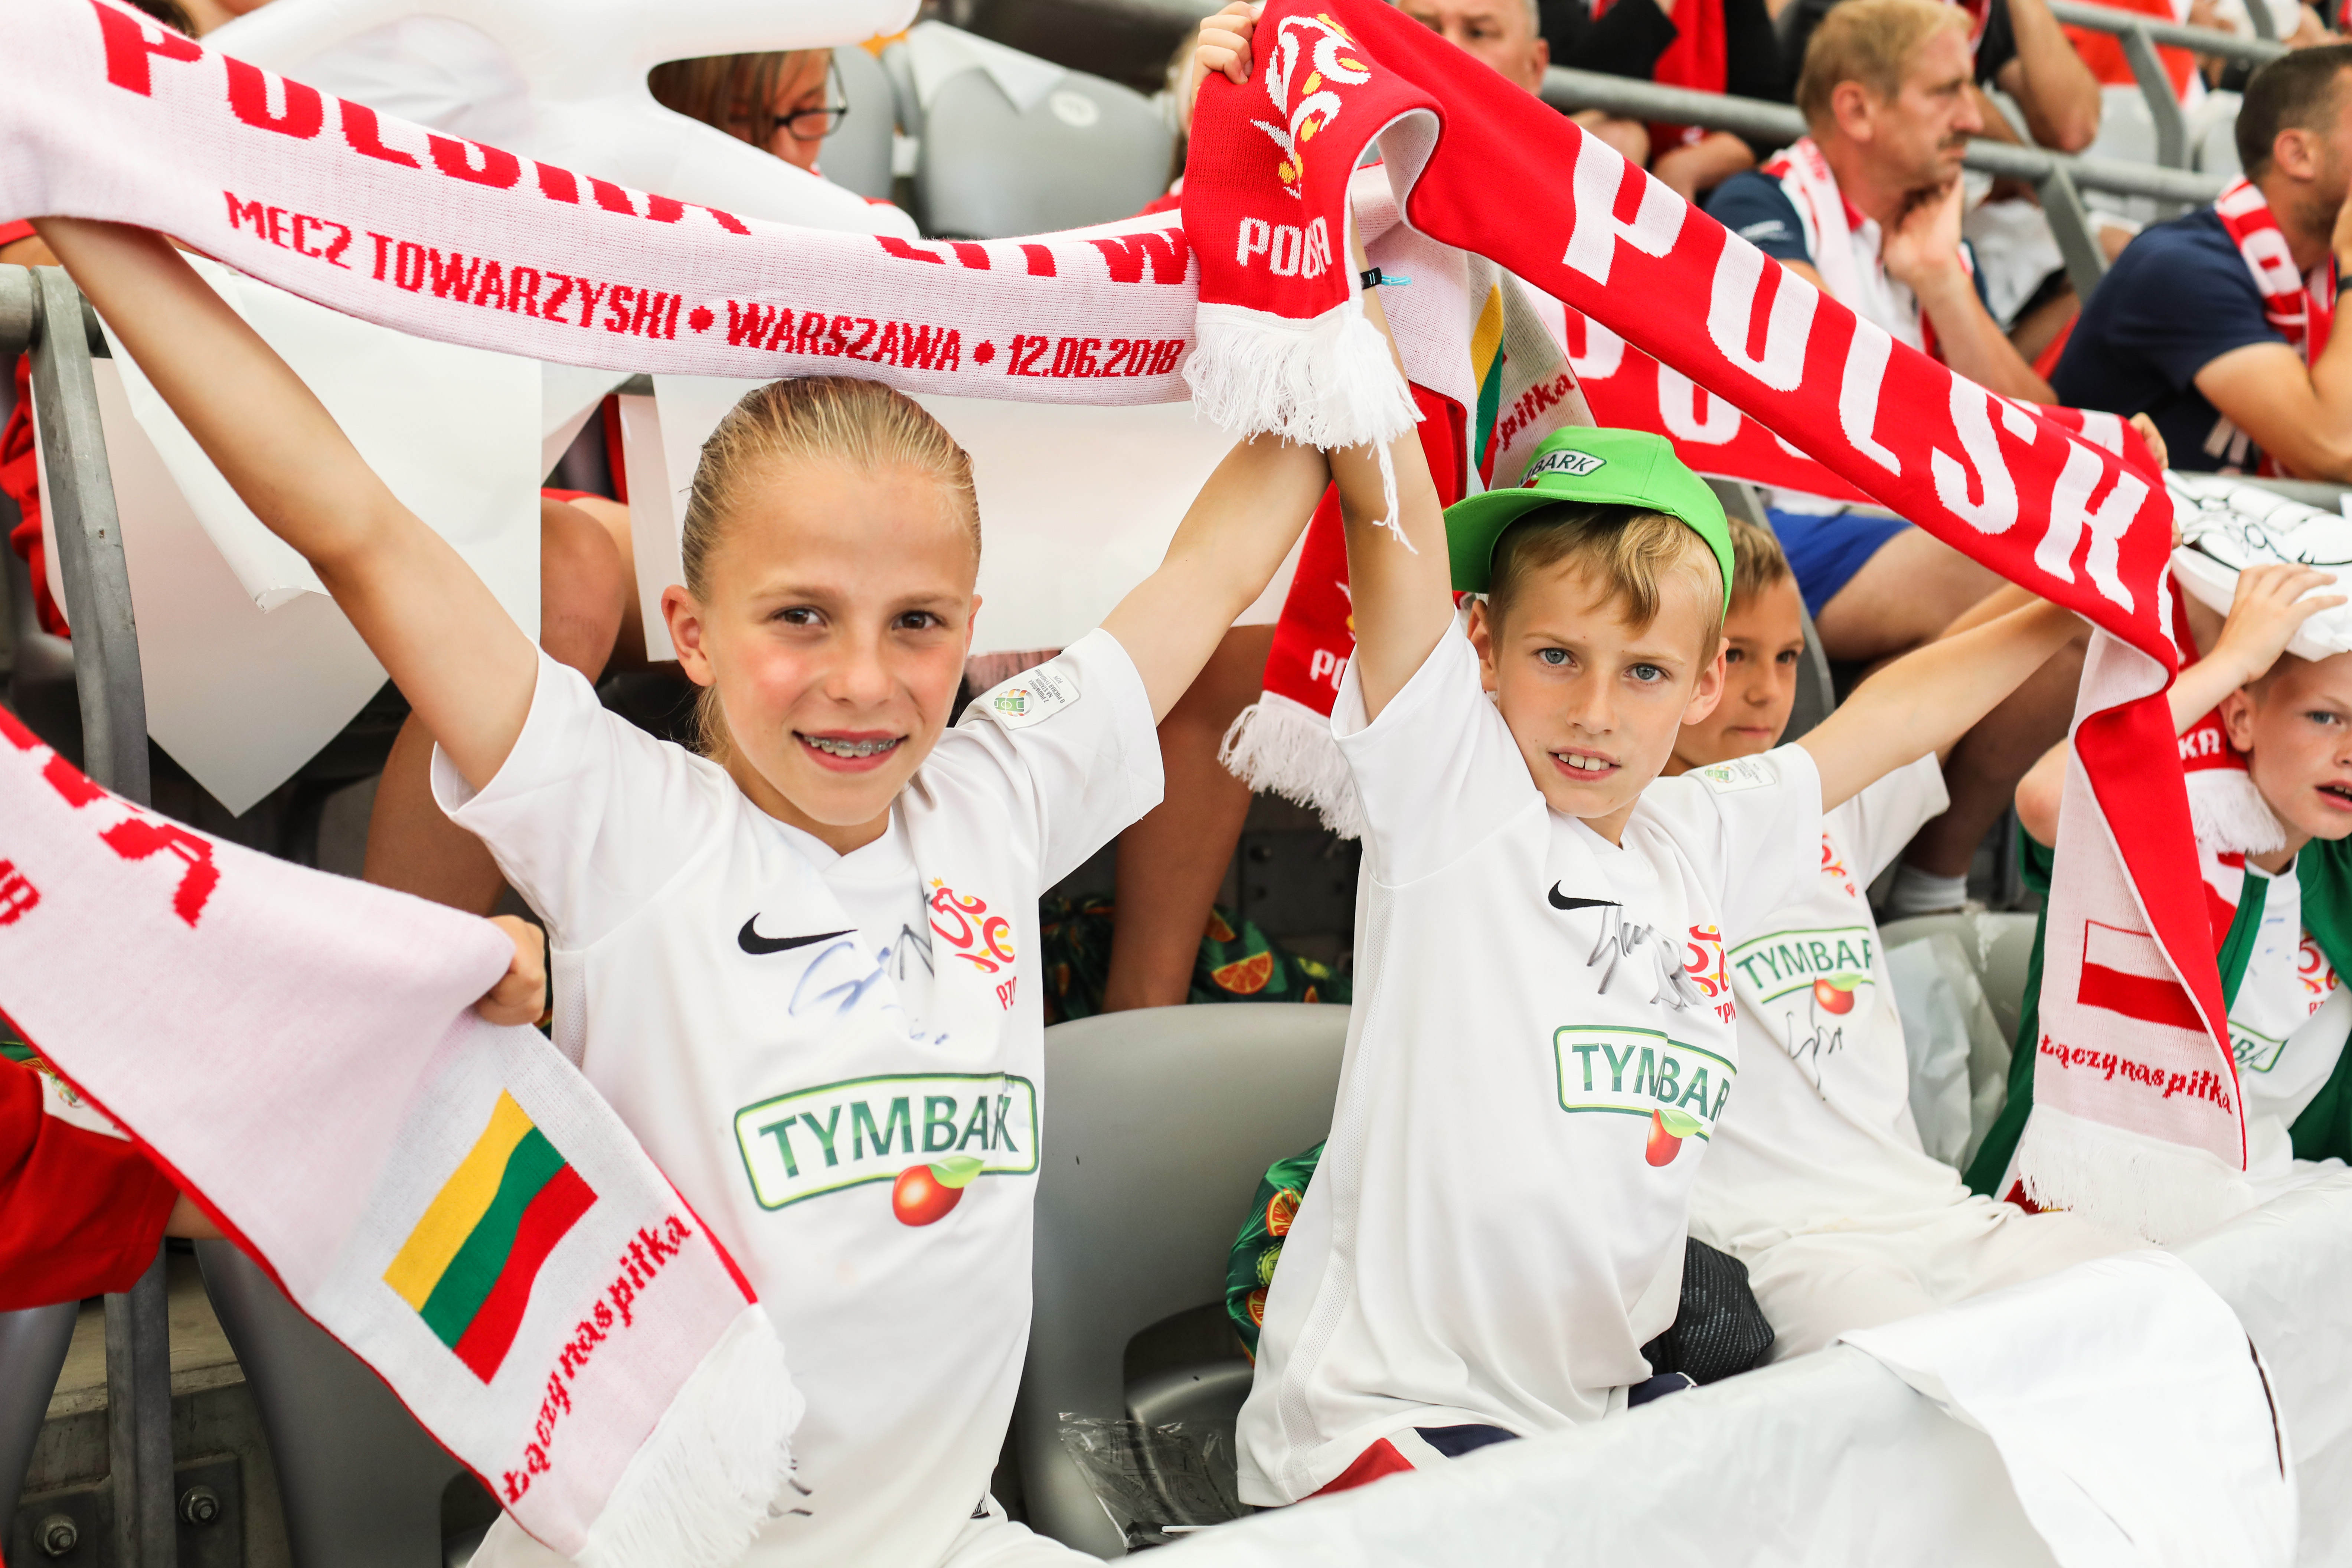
column 759, row 946
column 1561, row 901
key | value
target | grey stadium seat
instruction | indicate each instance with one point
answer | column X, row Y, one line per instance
column 1089, row 152
column 32, row 1351
column 2213, row 135
column 363, row 1483
column 858, row 155
column 1159, row 1124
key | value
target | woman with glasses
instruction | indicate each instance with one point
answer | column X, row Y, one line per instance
column 786, row 103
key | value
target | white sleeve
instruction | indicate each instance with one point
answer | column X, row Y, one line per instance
column 1751, row 826
column 589, row 816
column 1438, row 771
column 1072, row 742
column 1876, row 825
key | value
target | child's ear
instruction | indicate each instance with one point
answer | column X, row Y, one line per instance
column 1707, row 690
column 683, row 618
column 1482, row 639
column 2237, row 711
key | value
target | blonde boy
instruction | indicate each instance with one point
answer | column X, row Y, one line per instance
column 1818, row 1183
column 1546, row 1035
column 2281, row 914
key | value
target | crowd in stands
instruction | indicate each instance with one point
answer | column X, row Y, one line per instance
column 1628, row 777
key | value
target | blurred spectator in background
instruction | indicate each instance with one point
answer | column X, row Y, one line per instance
column 1867, row 208
column 2216, row 323
column 784, row 103
column 1709, row 46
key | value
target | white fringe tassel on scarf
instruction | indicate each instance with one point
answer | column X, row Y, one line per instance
column 1326, row 382
column 716, row 1468
column 1286, row 748
column 2142, row 1186
column 2229, row 814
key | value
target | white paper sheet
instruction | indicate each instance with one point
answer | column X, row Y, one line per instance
column 1830, row 1461
column 245, row 685
column 240, row 697
column 451, row 431
column 2126, row 1403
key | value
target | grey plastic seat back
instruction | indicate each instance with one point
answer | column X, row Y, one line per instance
column 360, row 1480
column 1999, row 948
column 32, row 1351
column 1159, row 1126
column 858, row 155
column 2213, row 135
column 1089, row 152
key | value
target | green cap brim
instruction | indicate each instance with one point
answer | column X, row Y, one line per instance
column 1587, row 467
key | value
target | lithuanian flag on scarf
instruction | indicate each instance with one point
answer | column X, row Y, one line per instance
column 469, row 1266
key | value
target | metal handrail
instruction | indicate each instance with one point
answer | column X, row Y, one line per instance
column 80, row 496
column 2204, row 40
column 2057, row 177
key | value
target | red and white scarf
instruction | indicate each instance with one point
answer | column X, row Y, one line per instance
column 448, row 1198
column 1845, row 245
column 2300, row 308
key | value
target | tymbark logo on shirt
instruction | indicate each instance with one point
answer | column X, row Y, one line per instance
column 818, row 1141
column 1832, row 963
column 1642, row 1072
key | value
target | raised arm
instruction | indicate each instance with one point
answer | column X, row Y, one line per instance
column 1928, row 698
column 2049, row 80
column 463, row 663
column 1402, row 600
column 2266, row 611
column 1226, row 550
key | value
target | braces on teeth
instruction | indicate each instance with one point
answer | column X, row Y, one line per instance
column 851, row 748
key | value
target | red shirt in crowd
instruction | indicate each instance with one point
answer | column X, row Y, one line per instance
column 81, row 1212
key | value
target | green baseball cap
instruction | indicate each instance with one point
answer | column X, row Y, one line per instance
column 1593, row 466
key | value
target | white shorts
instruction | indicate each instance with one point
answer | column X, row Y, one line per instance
column 1817, row 1285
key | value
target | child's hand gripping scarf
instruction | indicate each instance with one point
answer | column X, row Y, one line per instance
column 447, row 1197
column 1482, row 166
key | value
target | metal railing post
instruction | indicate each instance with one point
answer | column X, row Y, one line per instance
column 2070, row 223
column 80, row 494
column 90, row 544
column 2163, row 104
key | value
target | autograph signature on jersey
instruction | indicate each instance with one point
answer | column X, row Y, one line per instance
column 1621, row 939
column 1808, row 1051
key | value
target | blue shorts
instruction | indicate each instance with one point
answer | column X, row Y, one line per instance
column 1825, row 551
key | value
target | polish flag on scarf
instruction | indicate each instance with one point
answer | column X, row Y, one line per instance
column 447, row 1197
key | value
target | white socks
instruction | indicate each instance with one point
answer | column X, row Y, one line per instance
column 1915, row 892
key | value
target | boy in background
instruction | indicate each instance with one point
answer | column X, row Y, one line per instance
column 1818, row 1181
column 2280, row 897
